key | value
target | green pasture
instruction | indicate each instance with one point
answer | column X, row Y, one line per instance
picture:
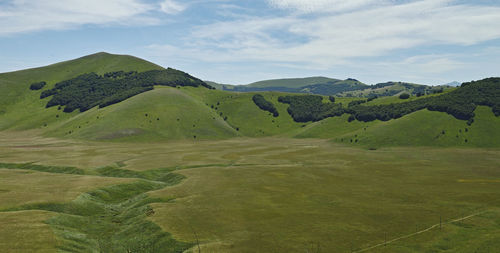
column 247, row 195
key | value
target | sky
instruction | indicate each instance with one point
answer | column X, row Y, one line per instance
column 238, row 42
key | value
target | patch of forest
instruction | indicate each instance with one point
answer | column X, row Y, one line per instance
column 310, row 108
column 265, row 105
column 461, row 103
column 332, row 88
column 89, row 90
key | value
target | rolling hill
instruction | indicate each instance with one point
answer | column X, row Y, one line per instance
column 179, row 112
column 292, row 82
column 329, row 86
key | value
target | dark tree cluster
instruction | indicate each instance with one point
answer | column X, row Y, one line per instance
column 356, row 102
column 371, row 97
column 310, row 108
column 265, row 105
column 381, row 85
column 37, row 86
column 244, row 88
column 388, row 93
column 334, row 87
column 404, row 96
column 89, row 90
column 119, row 74
column 117, row 98
column 414, row 89
column 460, row 103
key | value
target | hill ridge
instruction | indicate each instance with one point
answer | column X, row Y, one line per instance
column 190, row 113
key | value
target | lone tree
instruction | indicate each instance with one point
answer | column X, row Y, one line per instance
column 37, row 86
column 404, row 96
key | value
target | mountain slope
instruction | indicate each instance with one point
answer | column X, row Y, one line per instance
column 314, row 85
column 421, row 128
column 329, row 86
column 21, row 108
column 292, row 82
column 199, row 113
column 16, row 83
column 427, row 128
column 172, row 113
column 164, row 113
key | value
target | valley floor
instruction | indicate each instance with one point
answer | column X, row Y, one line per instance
column 245, row 195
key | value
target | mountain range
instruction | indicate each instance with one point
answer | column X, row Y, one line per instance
column 332, row 87
column 106, row 97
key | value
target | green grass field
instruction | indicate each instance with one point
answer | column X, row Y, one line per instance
column 184, row 169
column 248, row 195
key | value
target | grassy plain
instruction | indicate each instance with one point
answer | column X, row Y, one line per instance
column 248, row 195
column 26, row 231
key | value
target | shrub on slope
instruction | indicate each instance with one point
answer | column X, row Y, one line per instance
column 37, row 86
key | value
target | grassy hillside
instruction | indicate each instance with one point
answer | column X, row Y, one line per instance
column 314, row 85
column 291, row 82
column 392, row 89
column 329, row 86
column 426, row 128
column 172, row 114
column 244, row 115
column 164, row 113
column 21, row 108
column 189, row 113
column 220, row 86
column 421, row 128
column 15, row 84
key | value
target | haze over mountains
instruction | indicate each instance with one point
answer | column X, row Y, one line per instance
column 176, row 106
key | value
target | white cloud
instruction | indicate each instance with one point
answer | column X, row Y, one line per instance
column 172, row 7
column 323, row 5
column 323, row 41
column 19, row 16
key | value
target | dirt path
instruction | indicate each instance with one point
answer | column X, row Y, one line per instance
column 418, row 232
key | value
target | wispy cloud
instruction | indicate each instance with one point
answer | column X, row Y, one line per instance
column 308, row 6
column 21, row 16
column 323, row 41
column 172, row 7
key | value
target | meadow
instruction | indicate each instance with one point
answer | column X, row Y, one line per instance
column 267, row 194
